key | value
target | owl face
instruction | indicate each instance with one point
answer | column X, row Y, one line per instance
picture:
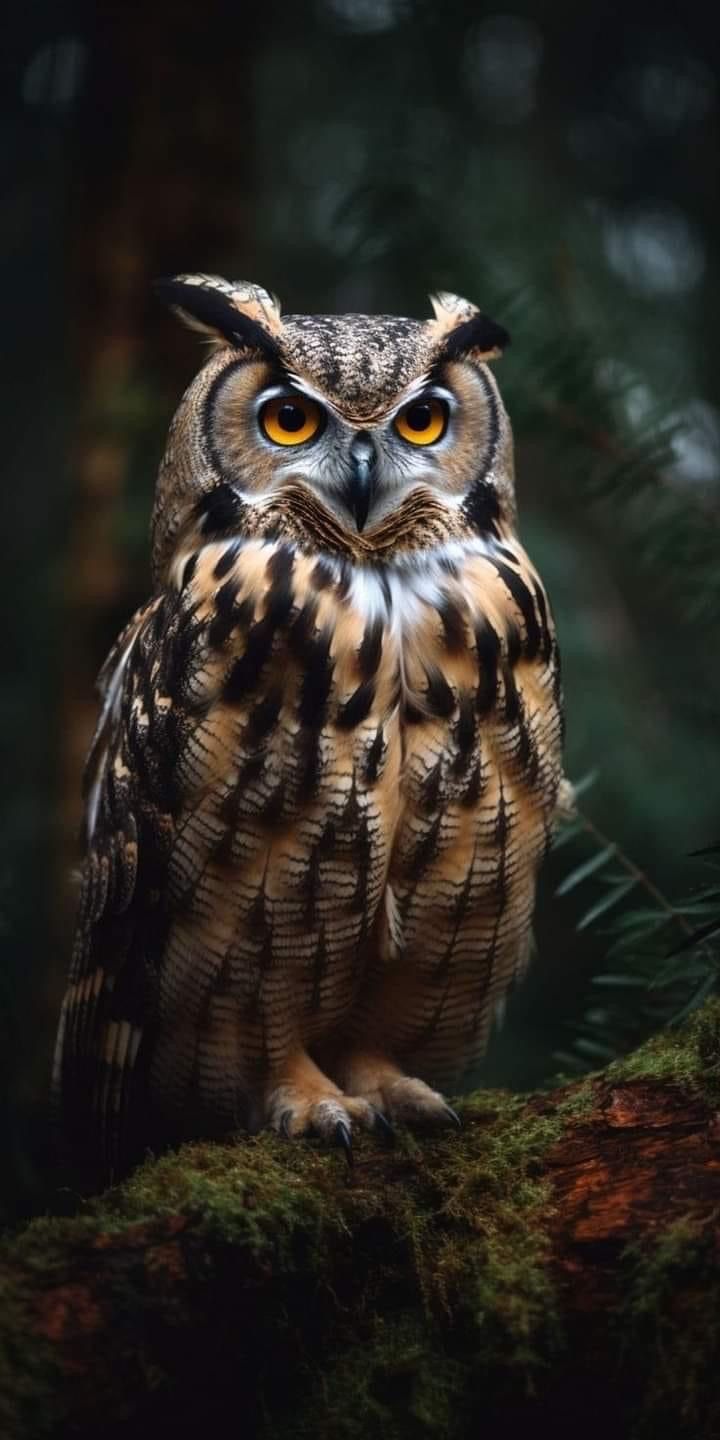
column 364, row 431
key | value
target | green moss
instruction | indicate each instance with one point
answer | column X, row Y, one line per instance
column 499, row 1279
column 578, row 1100
column 670, row 1328
column 468, row 1266
column 420, row 1272
column 245, row 1194
column 396, row 1379
column 391, row 1297
column 688, row 1055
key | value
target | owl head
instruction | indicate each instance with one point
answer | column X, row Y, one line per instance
column 364, row 435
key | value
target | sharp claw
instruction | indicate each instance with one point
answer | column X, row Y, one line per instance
column 285, row 1119
column 453, row 1115
column 343, row 1137
column 384, row 1127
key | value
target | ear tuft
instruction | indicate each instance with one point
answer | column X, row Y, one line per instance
column 449, row 311
column 481, row 337
column 462, row 329
column 235, row 313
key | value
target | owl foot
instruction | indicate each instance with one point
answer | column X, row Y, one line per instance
column 412, row 1102
column 329, row 1115
column 398, row 1097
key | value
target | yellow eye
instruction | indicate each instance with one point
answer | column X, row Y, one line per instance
column 423, row 422
column 290, row 419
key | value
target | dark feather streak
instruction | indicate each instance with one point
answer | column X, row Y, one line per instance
column 439, row 695
column 453, row 623
column 220, row 510
column 317, row 680
column 374, row 757
column 488, row 651
column 263, row 716
column 546, row 647
column 189, row 569
column 465, row 731
column 245, row 672
column 524, row 601
column 512, row 699
column 227, row 559
column 481, row 507
column 370, row 651
column 430, row 792
column 358, row 707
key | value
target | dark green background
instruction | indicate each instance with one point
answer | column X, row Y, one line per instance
column 555, row 163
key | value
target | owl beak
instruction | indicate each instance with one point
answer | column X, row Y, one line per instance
column 361, row 485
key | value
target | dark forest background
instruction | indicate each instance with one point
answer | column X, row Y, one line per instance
column 556, row 163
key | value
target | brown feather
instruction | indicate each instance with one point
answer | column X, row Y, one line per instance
column 327, row 765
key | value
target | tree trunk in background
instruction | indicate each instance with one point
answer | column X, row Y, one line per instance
column 553, row 1266
column 153, row 195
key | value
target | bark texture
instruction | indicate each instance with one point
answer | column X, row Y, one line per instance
column 554, row 1264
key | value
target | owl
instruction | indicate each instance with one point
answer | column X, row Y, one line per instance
column 328, row 758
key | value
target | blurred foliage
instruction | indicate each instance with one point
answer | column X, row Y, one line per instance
column 663, row 951
column 552, row 163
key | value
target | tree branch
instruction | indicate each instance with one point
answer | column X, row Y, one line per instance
column 553, row 1264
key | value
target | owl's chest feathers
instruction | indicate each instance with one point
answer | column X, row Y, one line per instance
column 326, row 734
column 319, row 673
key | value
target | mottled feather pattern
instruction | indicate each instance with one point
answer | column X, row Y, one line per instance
column 294, row 802
column 328, row 759
column 114, row 958
column 283, row 841
column 481, row 769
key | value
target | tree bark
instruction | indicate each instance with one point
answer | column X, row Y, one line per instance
column 151, row 116
column 553, row 1264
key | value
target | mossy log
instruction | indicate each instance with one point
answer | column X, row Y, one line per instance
column 554, row 1264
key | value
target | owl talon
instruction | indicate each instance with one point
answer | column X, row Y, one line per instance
column 344, row 1138
column 384, row 1128
column 415, row 1104
column 397, row 1098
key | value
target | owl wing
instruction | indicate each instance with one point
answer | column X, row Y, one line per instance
column 120, row 923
